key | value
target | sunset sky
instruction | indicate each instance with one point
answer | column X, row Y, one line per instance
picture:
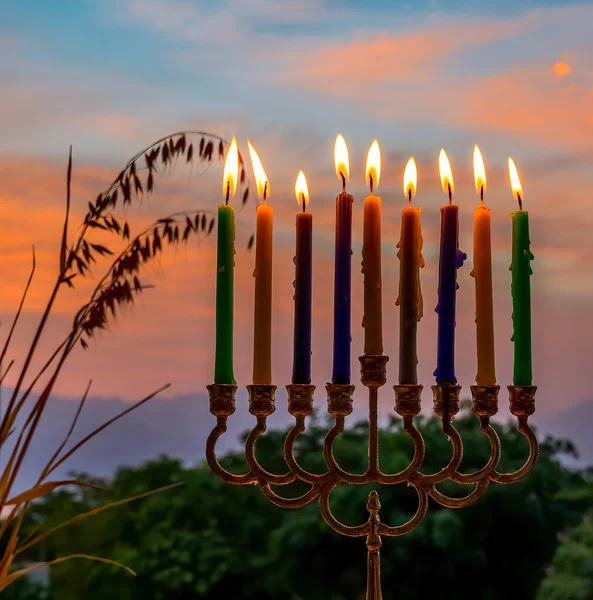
column 111, row 76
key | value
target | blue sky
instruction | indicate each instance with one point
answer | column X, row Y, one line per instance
column 111, row 76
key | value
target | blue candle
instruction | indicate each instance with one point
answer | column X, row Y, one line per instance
column 342, row 289
column 301, row 366
column 450, row 260
column 342, row 281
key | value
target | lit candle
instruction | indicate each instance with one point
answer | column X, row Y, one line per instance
column 262, row 338
column 225, row 265
column 343, row 276
column 521, row 285
column 450, row 260
column 410, row 294
column 482, row 273
column 371, row 257
column 301, row 366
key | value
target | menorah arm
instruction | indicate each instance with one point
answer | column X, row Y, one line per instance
column 417, row 460
column 326, row 513
column 253, row 463
column 468, row 500
column 488, row 469
column 506, row 478
column 291, row 461
column 522, row 405
column 282, row 502
column 241, row 479
column 413, row 522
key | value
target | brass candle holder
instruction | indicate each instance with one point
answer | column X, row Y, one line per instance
column 407, row 405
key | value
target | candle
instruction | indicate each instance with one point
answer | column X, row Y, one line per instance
column 342, row 279
column 262, row 337
column 225, row 265
column 301, row 366
column 521, row 286
column 482, row 273
column 371, row 257
column 450, row 260
column 410, row 294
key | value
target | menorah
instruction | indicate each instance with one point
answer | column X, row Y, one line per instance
column 339, row 405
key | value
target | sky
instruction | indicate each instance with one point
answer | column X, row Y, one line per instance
column 111, row 76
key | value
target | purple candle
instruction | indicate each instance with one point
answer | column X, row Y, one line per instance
column 450, row 260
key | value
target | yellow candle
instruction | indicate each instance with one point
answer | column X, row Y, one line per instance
column 262, row 341
column 371, row 258
column 482, row 273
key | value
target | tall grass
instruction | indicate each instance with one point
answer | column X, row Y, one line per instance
column 118, row 286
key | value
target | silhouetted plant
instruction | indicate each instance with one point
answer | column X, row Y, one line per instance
column 117, row 287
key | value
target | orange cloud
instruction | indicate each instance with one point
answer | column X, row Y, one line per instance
column 384, row 57
column 531, row 102
column 562, row 69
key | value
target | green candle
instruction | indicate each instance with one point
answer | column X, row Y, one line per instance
column 521, row 287
column 225, row 267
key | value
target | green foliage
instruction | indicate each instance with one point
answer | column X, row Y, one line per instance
column 208, row 539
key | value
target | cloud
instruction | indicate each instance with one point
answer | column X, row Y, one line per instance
column 562, row 69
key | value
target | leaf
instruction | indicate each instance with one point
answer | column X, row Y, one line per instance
column 211, row 226
column 20, row 572
column 96, row 225
column 203, row 221
column 83, row 343
column 102, row 250
column 150, row 182
column 166, row 220
column 126, row 231
column 208, row 150
column 250, row 243
column 220, row 149
column 125, row 187
column 137, row 185
column 245, row 196
column 190, row 152
column 68, row 280
column 242, row 175
column 137, row 284
column 46, row 488
column 165, row 154
column 202, row 142
column 99, row 509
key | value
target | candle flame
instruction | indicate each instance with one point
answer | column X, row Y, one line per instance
column 410, row 178
column 301, row 190
column 373, row 167
column 446, row 173
column 231, row 169
column 515, row 181
column 341, row 158
column 260, row 174
column 479, row 171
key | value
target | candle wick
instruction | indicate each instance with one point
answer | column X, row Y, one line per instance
column 450, row 193
column 482, row 195
column 265, row 194
column 304, row 203
column 520, row 201
column 228, row 192
column 343, row 182
column 371, row 183
column 409, row 196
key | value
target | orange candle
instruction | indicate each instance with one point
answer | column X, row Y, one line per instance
column 371, row 258
column 482, row 273
column 262, row 340
column 409, row 298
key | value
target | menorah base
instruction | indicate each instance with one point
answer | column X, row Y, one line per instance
column 408, row 406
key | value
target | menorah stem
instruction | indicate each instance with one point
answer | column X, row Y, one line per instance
column 374, row 549
column 373, row 468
